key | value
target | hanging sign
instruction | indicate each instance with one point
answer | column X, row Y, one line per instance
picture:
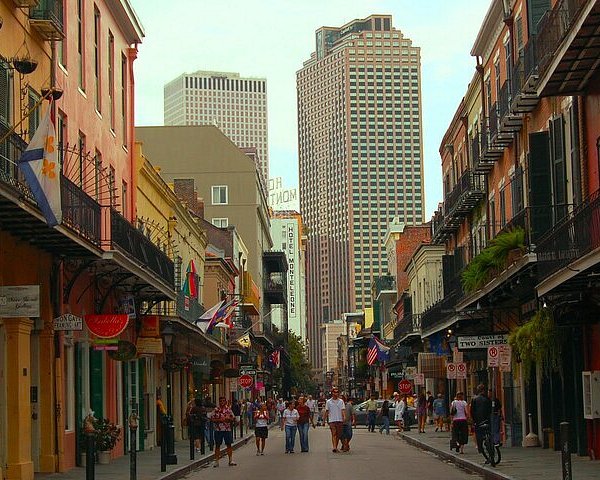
column 493, row 357
column 68, row 321
column 127, row 305
column 150, row 326
column 149, row 346
column 504, row 357
column 20, row 301
column 107, row 325
column 420, row 379
column 125, row 351
column 451, row 371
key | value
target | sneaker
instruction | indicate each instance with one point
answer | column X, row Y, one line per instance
column 232, row 464
column 216, row 465
column 257, row 453
column 262, row 453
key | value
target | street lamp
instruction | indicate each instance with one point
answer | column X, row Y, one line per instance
column 167, row 444
column 168, row 335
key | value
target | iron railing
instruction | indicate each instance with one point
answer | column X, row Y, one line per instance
column 81, row 213
column 576, row 235
column 493, row 121
column 468, row 183
column 504, row 100
column 410, row 323
column 129, row 239
column 11, row 150
column 432, row 316
column 48, row 18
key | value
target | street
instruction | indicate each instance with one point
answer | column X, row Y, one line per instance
column 372, row 456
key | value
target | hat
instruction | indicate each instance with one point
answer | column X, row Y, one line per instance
column 396, row 393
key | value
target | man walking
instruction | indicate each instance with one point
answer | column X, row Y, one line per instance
column 311, row 403
column 335, row 415
column 222, row 420
column 371, row 413
column 481, row 410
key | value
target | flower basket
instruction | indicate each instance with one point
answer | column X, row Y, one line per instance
column 107, row 435
column 24, row 65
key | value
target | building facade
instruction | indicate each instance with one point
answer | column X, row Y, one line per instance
column 236, row 105
column 360, row 156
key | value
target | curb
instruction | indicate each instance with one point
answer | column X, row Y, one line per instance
column 487, row 472
column 195, row 464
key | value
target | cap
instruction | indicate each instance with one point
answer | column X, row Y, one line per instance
column 396, row 393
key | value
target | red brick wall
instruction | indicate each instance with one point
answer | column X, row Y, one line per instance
column 410, row 239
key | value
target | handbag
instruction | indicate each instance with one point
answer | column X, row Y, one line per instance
column 453, row 410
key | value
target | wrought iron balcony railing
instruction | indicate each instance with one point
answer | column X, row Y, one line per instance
column 465, row 195
column 410, row 324
column 47, row 19
column 133, row 242
column 432, row 316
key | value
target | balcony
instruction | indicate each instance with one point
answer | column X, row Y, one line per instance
column 275, row 278
column 440, row 231
column 480, row 164
column 47, row 19
column 432, row 317
column 384, row 284
column 490, row 151
column 574, row 239
column 409, row 326
column 568, row 41
column 250, row 295
column 510, row 122
column 128, row 239
column 523, row 82
column 81, row 213
column 26, row 3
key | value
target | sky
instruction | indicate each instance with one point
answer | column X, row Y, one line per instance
column 272, row 38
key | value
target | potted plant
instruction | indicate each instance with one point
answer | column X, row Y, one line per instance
column 107, row 436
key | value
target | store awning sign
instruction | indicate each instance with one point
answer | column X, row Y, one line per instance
column 67, row 322
column 107, row 325
column 482, row 341
column 149, row 346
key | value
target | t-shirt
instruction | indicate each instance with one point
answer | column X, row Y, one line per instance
column 304, row 413
column 290, row 417
column 334, row 407
column 399, row 408
column 262, row 418
column 349, row 413
column 461, row 409
column 439, row 406
column 481, row 408
column 312, row 405
column 221, row 418
column 371, row 406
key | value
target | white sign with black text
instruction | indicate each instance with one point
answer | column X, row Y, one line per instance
column 482, row 341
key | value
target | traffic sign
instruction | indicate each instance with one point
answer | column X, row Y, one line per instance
column 492, row 357
column 504, row 357
column 405, row 387
column 420, row 379
column 451, row 371
column 245, row 381
column 461, row 370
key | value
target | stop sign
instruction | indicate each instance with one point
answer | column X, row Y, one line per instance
column 245, row 381
column 405, row 387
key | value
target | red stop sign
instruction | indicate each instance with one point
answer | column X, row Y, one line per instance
column 245, row 381
column 405, row 387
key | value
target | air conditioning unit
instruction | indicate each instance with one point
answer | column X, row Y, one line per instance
column 591, row 394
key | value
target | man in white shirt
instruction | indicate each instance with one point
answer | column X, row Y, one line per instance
column 399, row 407
column 312, row 406
column 335, row 415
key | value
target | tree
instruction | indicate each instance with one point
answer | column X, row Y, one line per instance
column 299, row 368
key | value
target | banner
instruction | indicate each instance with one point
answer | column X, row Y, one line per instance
column 107, row 325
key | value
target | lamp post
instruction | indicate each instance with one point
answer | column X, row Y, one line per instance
column 168, row 335
column 167, row 444
column 133, row 426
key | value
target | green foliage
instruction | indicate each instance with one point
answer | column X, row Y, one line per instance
column 492, row 259
column 300, row 368
column 107, row 434
column 537, row 342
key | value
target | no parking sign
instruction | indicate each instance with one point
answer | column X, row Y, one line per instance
column 492, row 357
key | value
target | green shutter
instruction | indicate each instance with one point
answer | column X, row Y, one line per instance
column 96, row 383
column 559, row 169
column 540, row 186
column 535, row 11
column 4, row 92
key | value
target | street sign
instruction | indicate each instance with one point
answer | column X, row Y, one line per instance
column 461, row 371
column 451, row 371
column 504, row 357
column 243, row 371
column 404, row 387
column 420, row 379
column 492, row 357
column 245, row 381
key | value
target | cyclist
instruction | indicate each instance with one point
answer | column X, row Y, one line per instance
column 481, row 410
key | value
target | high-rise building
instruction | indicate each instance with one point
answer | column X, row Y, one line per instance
column 236, row 105
column 361, row 162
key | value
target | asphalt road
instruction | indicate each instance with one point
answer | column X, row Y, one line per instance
column 372, row 456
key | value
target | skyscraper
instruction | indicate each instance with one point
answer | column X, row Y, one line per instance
column 361, row 162
column 236, row 105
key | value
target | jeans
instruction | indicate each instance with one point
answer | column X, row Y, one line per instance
column 495, row 426
column 385, row 425
column 290, row 437
column 371, row 420
column 303, row 432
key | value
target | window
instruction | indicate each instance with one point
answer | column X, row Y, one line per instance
column 124, row 97
column 81, row 157
column 111, row 185
column 69, row 385
column 5, row 92
column 219, row 195
column 220, row 222
column 34, row 112
column 124, row 198
column 97, row 170
column 97, row 57
column 80, row 44
column 61, row 135
column 111, row 79
column 502, row 207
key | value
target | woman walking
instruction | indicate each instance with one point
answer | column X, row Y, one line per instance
column 289, row 420
column 385, row 418
column 422, row 411
column 460, row 430
column 261, row 430
column 439, row 412
column 303, row 422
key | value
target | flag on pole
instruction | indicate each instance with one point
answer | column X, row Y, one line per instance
column 190, row 284
column 222, row 318
column 377, row 350
column 39, row 164
column 275, row 358
column 244, row 340
column 206, row 318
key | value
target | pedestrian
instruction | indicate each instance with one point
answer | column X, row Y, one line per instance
column 460, row 430
column 196, row 421
column 209, row 427
column 335, row 415
column 280, row 409
column 371, row 413
column 439, row 412
column 496, row 418
column 349, row 423
column 430, row 400
column 422, row 411
column 385, row 418
column 481, row 411
column 399, row 407
column 261, row 428
column 250, row 409
column 303, row 422
column 311, row 403
column 222, row 419
column 289, row 420
column 237, row 410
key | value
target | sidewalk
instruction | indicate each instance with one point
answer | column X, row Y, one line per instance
column 148, row 464
column 517, row 463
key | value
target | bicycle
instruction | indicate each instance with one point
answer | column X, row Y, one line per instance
column 490, row 450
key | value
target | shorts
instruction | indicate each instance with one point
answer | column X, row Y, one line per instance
column 336, row 427
column 223, row 436
column 346, row 432
column 261, row 432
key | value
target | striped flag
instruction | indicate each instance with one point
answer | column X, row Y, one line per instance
column 275, row 358
column 377, row 350
column 372, row 352
column 222, row 318
column 39, row 164
column 207, row 317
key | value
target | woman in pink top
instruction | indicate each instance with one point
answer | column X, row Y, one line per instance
column 460, row 430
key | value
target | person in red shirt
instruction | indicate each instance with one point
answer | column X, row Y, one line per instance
column 303, row 422
column 222, row 419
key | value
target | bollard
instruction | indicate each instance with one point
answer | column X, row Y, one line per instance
column 163, row 444
column 565, row 451
column 191, row 432
column 90, row 456
column 171, row 457
column 133, row 426
column 242, row 426
column 202, row 433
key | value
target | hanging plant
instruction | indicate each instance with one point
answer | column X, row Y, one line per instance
column 536, row 342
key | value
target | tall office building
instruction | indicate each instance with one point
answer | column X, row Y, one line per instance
column 236, row 105
column 361, row 162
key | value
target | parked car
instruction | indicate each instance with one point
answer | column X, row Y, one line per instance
column 361, row 414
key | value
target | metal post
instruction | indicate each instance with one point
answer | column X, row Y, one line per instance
column 90, row 456
column 565, row 451
column 133, row 426
column 191, row 431
column 202, row 437
column 163, row 445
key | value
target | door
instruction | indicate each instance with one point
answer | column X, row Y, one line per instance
column 131, row 375
column 34, row 399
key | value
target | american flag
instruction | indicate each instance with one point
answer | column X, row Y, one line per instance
column 275, row 358
column 377, row 351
